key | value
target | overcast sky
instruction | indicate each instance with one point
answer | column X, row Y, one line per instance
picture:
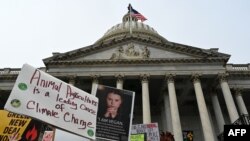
column 30, row 30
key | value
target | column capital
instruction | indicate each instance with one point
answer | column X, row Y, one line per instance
column 196, row 77
column 238, row 91
column 213, row 91
column 119, row 77
column 223, row 77
column 144, row 77
column 95, row 77
column 170, row 77
column 72, row 79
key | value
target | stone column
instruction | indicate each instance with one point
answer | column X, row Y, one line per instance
column 217, row 110
column 94, row 83
column 240, row 102
column 145, row 99
column 176, row 122
column 167, row 112
column 163, row 120
column 72, row 79
column 205, row 121
column 233, row 114
column 119, row 81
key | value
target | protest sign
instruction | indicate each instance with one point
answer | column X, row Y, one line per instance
column 17, row 127
column 187, row 135
column 44, row 97
column 48, row 136
column 115, row 112
column 12, row 124
column 150, row 129
column 138, row 137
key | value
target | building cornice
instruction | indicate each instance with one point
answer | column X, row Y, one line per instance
column 237, row 74
column 139, row 61
column 12, row 77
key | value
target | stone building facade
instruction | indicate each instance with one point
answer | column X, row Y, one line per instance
column 178, row 86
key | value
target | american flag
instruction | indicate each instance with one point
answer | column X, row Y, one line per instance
column 136, row 14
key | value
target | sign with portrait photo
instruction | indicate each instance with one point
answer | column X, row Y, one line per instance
column 44, row 97
column 115, row 112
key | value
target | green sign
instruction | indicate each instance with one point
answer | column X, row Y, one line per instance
column 137, row 137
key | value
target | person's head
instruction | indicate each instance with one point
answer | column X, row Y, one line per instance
column 114, row 100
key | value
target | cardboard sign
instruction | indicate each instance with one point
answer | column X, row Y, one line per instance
column 42, row 96
column 150, row 129
column 115, row 112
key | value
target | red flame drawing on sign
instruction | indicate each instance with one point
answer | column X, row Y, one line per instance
column 31, row 134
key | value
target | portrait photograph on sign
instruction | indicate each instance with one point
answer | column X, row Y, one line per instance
column 114, row 116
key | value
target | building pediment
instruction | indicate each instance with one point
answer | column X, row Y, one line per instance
column 131, row 51
column 134, row 49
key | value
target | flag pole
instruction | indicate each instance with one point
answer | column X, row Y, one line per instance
column 130, row 19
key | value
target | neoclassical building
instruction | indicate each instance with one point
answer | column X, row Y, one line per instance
column 181, row 87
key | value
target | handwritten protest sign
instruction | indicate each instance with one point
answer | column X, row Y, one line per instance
column 42, row 96
column 150, row 129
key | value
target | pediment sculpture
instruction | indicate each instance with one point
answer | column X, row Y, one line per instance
column 131, row 52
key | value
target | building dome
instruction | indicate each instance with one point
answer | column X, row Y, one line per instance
column 133, row 28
